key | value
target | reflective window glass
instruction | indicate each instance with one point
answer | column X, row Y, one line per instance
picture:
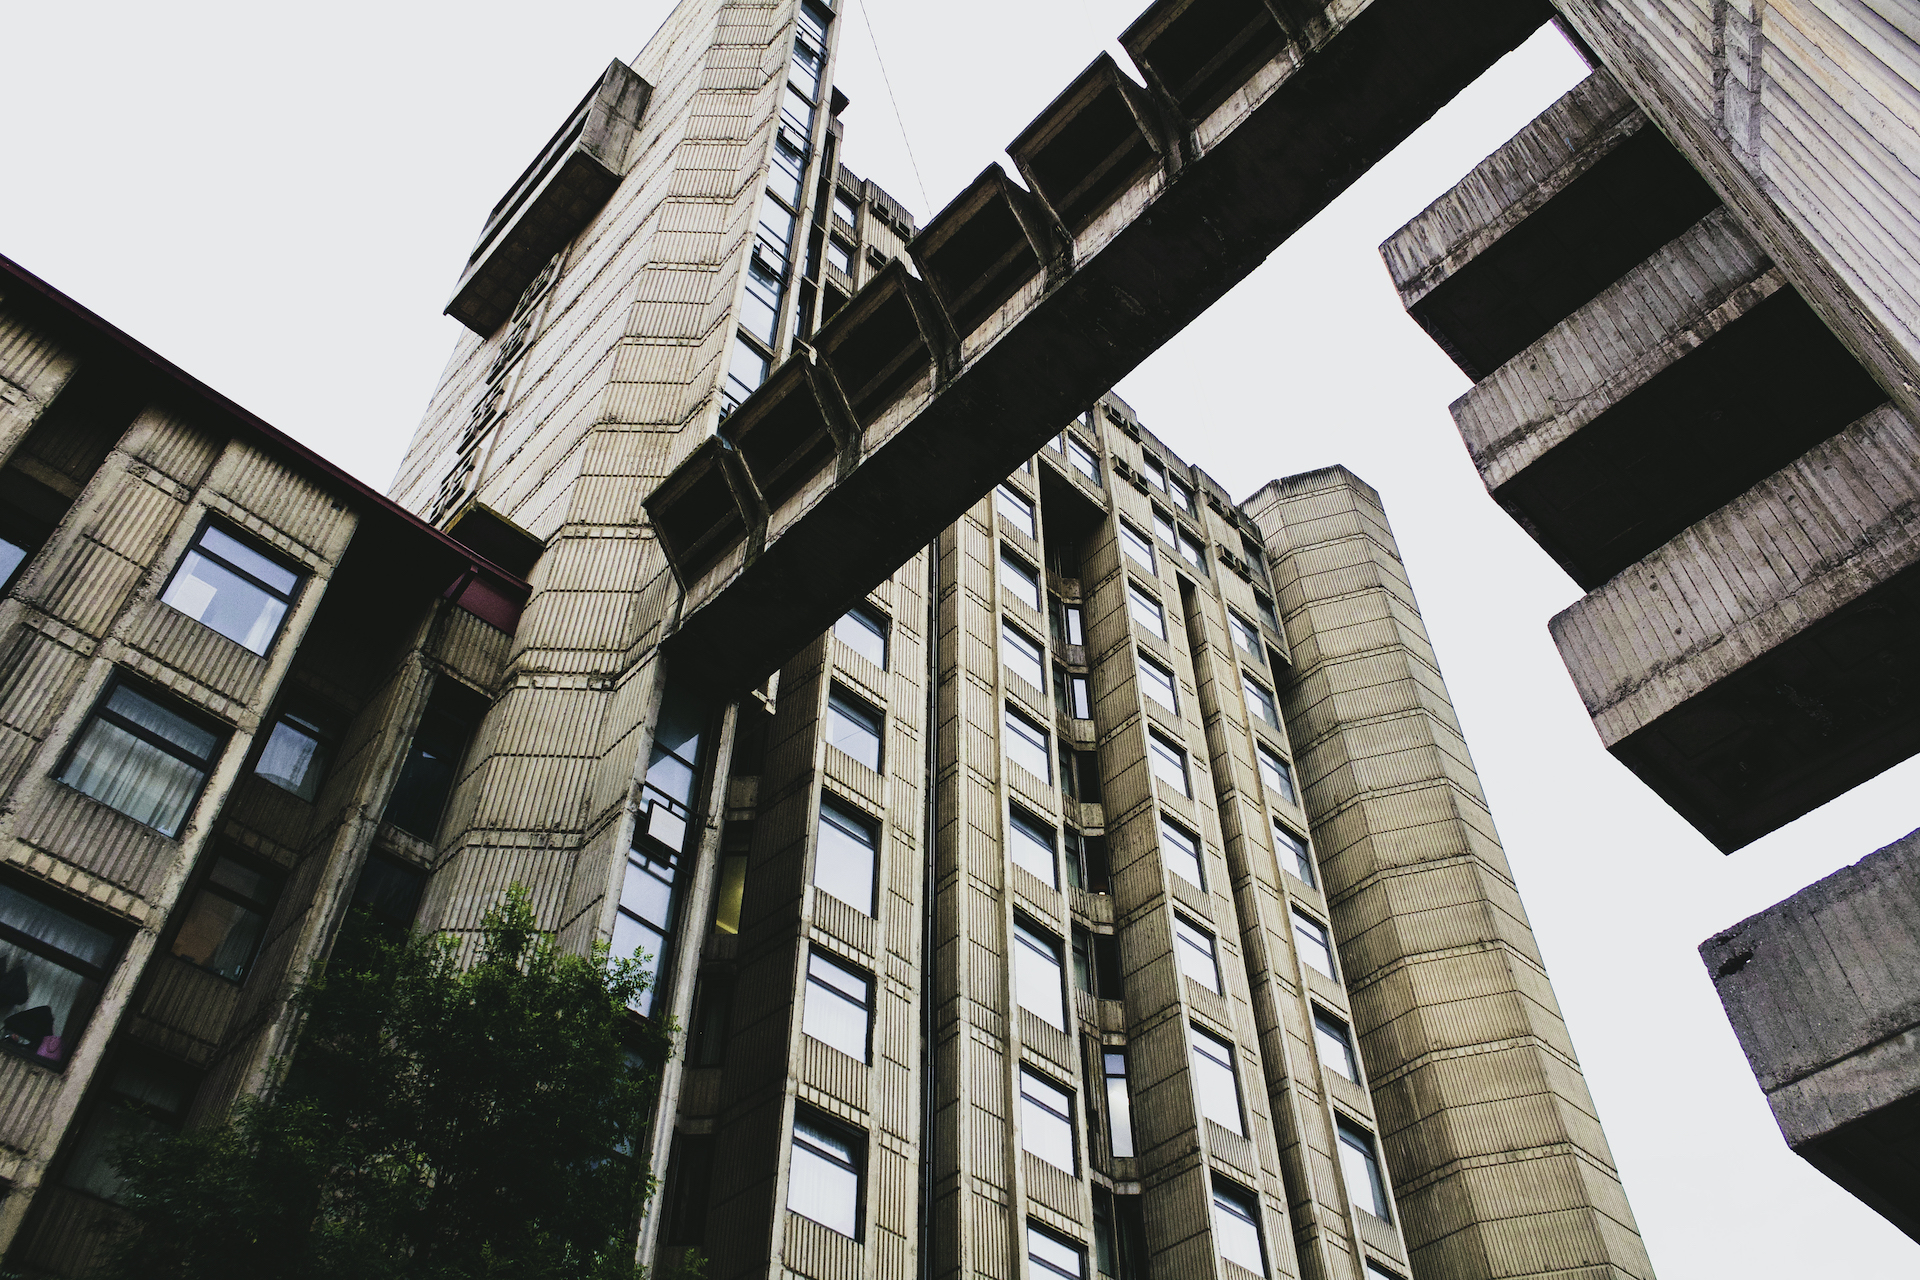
column 1020, row 581
column 1193, row 551
column 1275, row 773
column 1163, row 527
column 1335, row 1043
column 1046, row 1120
column 1051, row 1258
column 1157, row 683
column 1146, row 610
column 1314, row 943
column 1246, row 636
column 1168, row 762
column 1083, row 459
column 839, row 1008
column 222, row 929
column 1293, row 852
column 1079, row 698
column 1214, row 1083
column 1022, row 656
column 227, row 585
column 1135, row 544
column 865, row 632
column 141, row 758
column 1018, row 511
column 840, row 256
column 1260, row 699
column 1193, row 948
column 295, row 756
column 823, row 1181
column 1027, row 746
column 1030, row 845
column 1180, row 850
column 1037, row 976
column 1361, row 1167
column 52, row 966
column 1236, row 1227
column 843, row 864
column 1119, row 1103
column 854, row 727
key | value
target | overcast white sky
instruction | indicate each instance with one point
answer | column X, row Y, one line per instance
column 279, row 198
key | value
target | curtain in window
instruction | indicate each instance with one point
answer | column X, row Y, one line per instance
column 133, row 776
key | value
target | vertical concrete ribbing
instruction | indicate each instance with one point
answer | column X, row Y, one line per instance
column 1497, row 1158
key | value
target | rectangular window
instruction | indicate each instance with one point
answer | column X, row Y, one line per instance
column 1290, row 846
column 747, row 369
column 1119, row 1103
column 1068, row 623
column 846, row 207
column 840, row 255
column 1027, row 746
column 1214, row 1082
column 775, row 233
column 1135, row 544
column 1083, row 460
column 1082, row 960
column 843, row 864
column 809, row 60
column 1360, row 1165
column 1163, row 527
column 797, row 111
column 1335, row 1042
column 760, row 305
column 1183, row 494
column 1193, row 948
column 52, row 966
column 1022, row 656
column 1275, row 773
column 1051, row 1258
column 12, row 556
column 1169, row 763
column 225, row 584
column 1037, row 976
column 643, row 922
column 1193, row 551
column 142, row 758
column 1314, row 943
column 1030, row 844
column 145, row 1095
column 1079, row 698
column 854, row 727
column 221, row 933
column 1267, row 614
column 1017, row 510
column 823, row 1182
column 1260, row 699
column 1020, row 581
column 789, row 164
column 295, row 757
column 1146, row 610
column 864, row 630
column 1377, row 1272
column 1046, row 1121
column 1154, row 470
column 1157, row 683
column 839, row 1009
column 1236, row 1227
column 1246, row 636
column 1180, row 850
column 433, row 759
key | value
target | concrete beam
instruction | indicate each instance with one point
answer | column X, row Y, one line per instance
column 1761, row 663
column 1820, row 991
column 1229, row 190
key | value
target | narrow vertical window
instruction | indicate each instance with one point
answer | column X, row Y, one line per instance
column 746, row 370
column 1236, row 1227
column 1017, row 510
column 1335, row 1042
column 1261, row 700
column 1163, row 527
column 1079, row 698
column 1071, row 629
column 1020, row 581
column 1119, row 1103
column 1360, row 1165
column 433, row 759
column 1135, row 544
column 643, row 923
column 1022, row 656
column 143, row 758
column 1030, row 844
column 1246, row 636
column 1314, row 943
column 1182, row 493
column 1083, row 460
column 1169, row 763
column 854, row 727
column 1214, row 1082
column 1267, row 614
column 1193, row 948
column 1193, row 551
column 843, row 862
column 1180, row 850
column 1037, row 976
column 1292, row 848
column 1276, row 773
column 1157, row 683
column 1146, row 610
column 227, row 585
column 1046, row 1121
column 846, row 206
column 1082, row 960
column 839, row 1007
column 864, row 631
column 1051, row 1258
column 823, row 1182
column 1027, row 745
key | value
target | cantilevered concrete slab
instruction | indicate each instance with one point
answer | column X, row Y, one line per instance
column 1140, row 247
column 1768, row 658
column 1820, row 991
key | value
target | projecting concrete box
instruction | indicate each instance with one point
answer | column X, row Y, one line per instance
column 1820, row 989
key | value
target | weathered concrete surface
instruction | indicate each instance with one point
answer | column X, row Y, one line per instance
column 1820, row 989
column 1762, row 662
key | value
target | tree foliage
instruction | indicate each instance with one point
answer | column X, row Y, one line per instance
column 438, row 1122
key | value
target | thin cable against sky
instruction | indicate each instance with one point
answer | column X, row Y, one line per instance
column 926, row 202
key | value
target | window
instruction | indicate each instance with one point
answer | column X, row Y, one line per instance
column 1287, row 844
column 712, row 1011
column 1016, row 509
column 1037, row 976
column 1154, row 470
column 295, row 757
column 1046, row 1120
column 1030, row 845
column 847, row 207
column 12, row 556
column 1314, row 943
column 789, row 163
column 1193, row 551
column 643, row 921
column 433, row 760
column 1180, row 850
column 1267, row 614
column 823, row 1182
column 843, row 864
column 1246, row 636
column 1377, row 1272
column 225, row 584
column 1087, row 862
column 1068, row 625
column 1335, row 1042
column 52, row 967
column 760, row 305
column 1083, row 460
column 797, row 111
column 1079, row 698
column 745, row 372
column 1163, row 527
column 1236, row 1227
column 1119, row 1103
column 1260, row 700
column 1361, row 1168
column 1146, row 610
column 854, row 727
column 864, row 630
column 809, row 60
column 840, row 255
column 1049, row 1256
column 1193, row 948
column 1085, row 775
column 1020, row 581
column 1214, row 1083
column 1026, row 744
column 145, row 1094
column 839, row 1009
column 1157, row 683
column 1169, row 763
column 222, row 930
column 1135, row 544
column 1183, row 494
column 1082, row 960
column 388, row 892
column 775, row 241
column 1021, row 656
column 141, row 758
column 1275, row 773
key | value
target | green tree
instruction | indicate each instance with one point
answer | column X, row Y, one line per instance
column 438, row 1122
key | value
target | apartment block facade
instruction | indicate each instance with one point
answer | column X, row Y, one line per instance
column 1100, row 886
